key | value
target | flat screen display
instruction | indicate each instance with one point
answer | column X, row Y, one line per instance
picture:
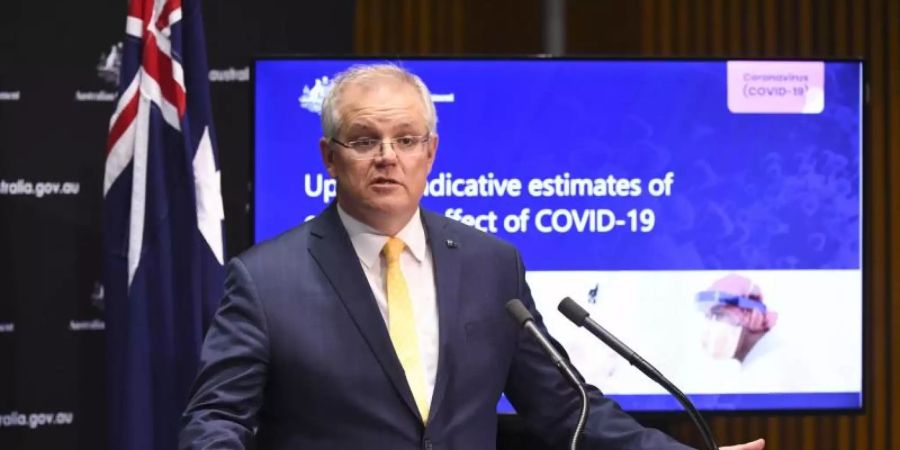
column 708, row 213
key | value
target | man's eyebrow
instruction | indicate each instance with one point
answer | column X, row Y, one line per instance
column 359, row 128
column 408, row 127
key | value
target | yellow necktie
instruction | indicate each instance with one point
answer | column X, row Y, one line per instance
column 402, row 325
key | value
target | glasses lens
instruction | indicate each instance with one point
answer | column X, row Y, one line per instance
column 364, row 145
column 406, row 143
column 369, row 148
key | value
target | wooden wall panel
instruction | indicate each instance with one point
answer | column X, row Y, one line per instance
column 892, row 239
column 829, row 28
column 447, row 27
column 720, row 28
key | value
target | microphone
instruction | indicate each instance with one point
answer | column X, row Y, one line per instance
column 575, row 313
column 524, row 319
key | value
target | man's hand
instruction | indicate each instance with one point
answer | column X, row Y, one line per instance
column 758, row 444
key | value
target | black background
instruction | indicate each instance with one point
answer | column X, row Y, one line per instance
column 50, row 246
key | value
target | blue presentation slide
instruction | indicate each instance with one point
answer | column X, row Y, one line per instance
column 706, row 212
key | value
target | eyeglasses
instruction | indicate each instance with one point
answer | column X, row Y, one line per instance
column 370, row 148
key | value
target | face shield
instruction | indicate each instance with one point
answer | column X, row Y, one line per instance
column 722, row 335
column 736, row 317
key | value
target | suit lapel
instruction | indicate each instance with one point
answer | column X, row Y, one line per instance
column 447, row 264
column 332, row 250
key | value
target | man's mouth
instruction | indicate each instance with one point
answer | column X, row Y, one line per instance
column 383, row 181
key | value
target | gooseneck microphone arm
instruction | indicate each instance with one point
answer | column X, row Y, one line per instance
column 575, row 313
column 524, row 319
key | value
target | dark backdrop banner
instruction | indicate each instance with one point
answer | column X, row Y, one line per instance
column 58, row 81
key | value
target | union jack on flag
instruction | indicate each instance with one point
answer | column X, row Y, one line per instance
column 162, row 223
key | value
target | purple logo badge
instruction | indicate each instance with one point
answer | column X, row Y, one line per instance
column 776, row 87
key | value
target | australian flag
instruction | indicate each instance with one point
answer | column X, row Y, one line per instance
column 162, row 223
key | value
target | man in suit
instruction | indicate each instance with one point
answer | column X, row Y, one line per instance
column 377, row 324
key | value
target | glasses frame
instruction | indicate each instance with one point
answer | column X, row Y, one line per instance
column 355, row 153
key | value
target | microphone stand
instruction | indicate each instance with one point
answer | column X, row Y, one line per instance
column 523, row 317
column 574, row 312
column 582, row 416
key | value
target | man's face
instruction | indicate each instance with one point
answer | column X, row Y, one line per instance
column 389, row 186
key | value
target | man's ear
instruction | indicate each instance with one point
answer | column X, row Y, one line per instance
column 432, row 151
column 327, row 156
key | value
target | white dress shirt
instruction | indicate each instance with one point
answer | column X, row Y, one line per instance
column 417, row 266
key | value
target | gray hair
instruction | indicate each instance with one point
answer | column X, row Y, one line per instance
column 331, row 120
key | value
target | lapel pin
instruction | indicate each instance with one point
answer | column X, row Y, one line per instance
column 451, row 243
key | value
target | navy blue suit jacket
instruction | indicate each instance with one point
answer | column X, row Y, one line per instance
column 299, row 357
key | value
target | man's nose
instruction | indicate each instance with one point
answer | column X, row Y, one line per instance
column 386, row 152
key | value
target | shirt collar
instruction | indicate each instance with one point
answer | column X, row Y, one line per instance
column 368, row 242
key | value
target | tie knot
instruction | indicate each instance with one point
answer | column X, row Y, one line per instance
column 392, row 249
